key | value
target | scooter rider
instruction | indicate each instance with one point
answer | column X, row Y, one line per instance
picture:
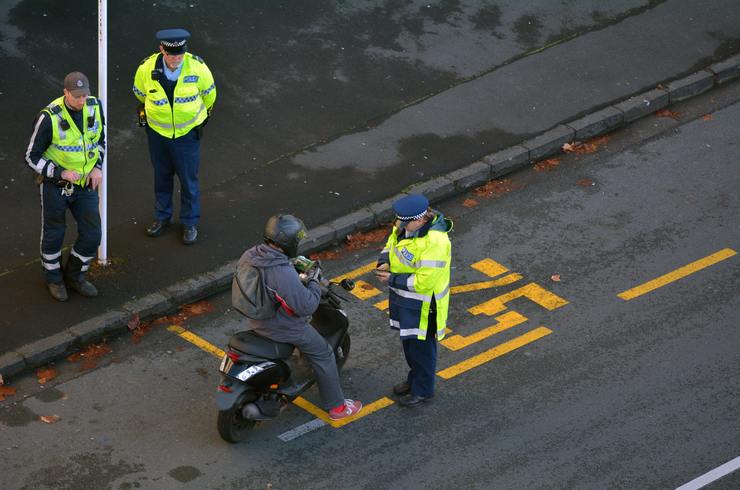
column 283, row 233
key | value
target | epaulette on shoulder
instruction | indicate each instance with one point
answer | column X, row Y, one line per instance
column 196, row 57
column 144, row 60
column 91, row 101
column 54, row 109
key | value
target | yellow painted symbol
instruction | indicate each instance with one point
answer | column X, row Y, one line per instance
column 504, row 322
column 532, row 291
column 677, row 274
column 364, row 290
column 493, row 353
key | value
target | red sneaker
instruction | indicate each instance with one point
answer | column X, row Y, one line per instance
column 349, row 408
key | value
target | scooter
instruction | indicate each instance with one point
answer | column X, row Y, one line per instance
column 257, row 373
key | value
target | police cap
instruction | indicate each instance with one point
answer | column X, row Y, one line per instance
column 174, row 41
column 411, row 207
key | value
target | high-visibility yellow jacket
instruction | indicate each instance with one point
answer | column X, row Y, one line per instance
column 420, row 271
column 195, row 94
column 71, row 148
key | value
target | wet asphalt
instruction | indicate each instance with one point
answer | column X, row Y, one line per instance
column 621, row 394
column 323, row 108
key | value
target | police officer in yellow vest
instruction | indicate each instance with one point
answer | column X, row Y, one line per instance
column 66, row 150
column 415, row 264
column 177, row 91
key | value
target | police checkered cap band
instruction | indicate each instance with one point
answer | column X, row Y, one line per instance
column 412, row 218
column 173, row 44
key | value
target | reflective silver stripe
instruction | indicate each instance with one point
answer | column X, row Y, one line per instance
column 157, row 123
column 51, row 256
column 410, row 331
column 410, row 283
column 40, row 166
column 188, row 123
column 402, row 258
column 411, row 295
column 82, row 258
column 51, row 267
column 85, row 268
column 437, row 264
column 62, row 132
column 395, row 324
column 443, row 293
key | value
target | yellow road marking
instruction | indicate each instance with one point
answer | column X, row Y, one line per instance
column 533, row 291
column 505, row 321
column 194, row 339
column 382, row 305
column 323, row 415
column 477, row 286
column 489, row 267
column 364, row 290
column 493, row 353
column 299, row 401
column 357, row 272
column 677, row 274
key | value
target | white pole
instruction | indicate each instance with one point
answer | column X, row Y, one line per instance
column 103, row 95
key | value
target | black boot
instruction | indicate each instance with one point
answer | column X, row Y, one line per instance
column 75, row 278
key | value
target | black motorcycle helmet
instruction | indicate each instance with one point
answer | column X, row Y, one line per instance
column 286, row 231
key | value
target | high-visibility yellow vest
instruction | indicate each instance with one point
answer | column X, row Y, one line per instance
column 71, row 148
column 423, row 268
column 194, row 96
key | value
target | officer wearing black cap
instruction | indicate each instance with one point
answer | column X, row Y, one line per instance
column 66, row 151
column 415, row 264
column 177, row 92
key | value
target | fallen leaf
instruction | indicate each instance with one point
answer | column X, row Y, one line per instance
column 570, row 147
column 45, row 375
column 668, row 113
column 585, row 182
column 6, row 391
column 363, row 239
column 50, row 419
column 494, row 187
column 470, row 203
column 325, row 255
column 555, row 277
column 90, row 355
column 547, row 165
column 134, row 322
column 199, row 308
column 707, row 117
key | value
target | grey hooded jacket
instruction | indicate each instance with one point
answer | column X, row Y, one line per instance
column 282, row 279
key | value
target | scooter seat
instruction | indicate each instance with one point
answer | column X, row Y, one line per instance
column 251, row 343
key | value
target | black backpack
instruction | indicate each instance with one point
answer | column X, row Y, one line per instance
column 249, row 295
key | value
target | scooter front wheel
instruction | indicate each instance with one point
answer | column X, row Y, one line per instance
column 232, row 425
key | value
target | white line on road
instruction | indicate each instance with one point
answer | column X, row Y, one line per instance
column 713, row 475
column 301, row 429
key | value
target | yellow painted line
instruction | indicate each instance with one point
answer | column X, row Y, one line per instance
column 491, row 354
column 677, row 274
column 300, row 401
column 505, row 322
column 364, row 290
column 532, row 291
column 323, row 415
column 194, row 339
column 357, row 272
column 489, row 267
column 382, row 305
column 477, row 286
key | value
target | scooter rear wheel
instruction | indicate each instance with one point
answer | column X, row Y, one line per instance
column 232, row 426
column 343, row 351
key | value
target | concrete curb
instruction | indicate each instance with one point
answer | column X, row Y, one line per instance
column 549, row 143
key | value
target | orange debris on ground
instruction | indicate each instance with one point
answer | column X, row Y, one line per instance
column 90, row 355
column 494, row 187
column 45, row 375
column 6, row 391
column 586, row 147
column 547, row 165
column 668, row 113
column 470, row 203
